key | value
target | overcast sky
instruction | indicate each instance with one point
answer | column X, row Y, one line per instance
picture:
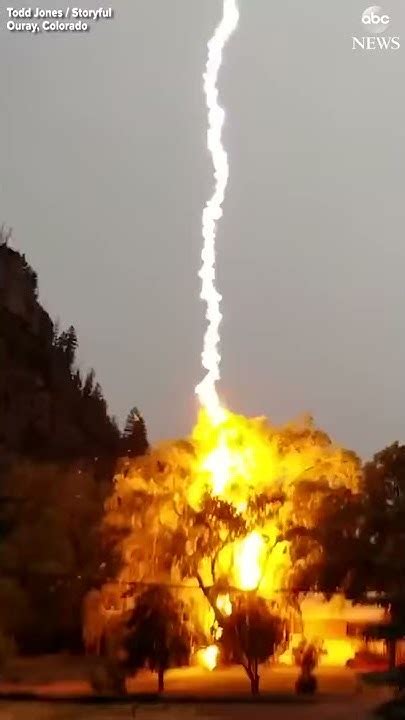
column 104, row 173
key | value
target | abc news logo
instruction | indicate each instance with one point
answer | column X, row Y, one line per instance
column 375, row 22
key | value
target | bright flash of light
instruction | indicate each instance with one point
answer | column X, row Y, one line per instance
column 262, row 477
column 206, row 390
column 208, row 657
column 218, row 464
column 224, row 604
column 249, row 554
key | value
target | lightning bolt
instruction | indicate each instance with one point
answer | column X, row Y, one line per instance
column 212, row 212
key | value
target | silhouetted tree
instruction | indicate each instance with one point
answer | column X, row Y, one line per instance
column 134, row 439
column 5, row 234
column 157, row 636
column 58, row 449
column 367, row 531
column 382, row 539
column 46, row 411
column 71, row 346
column 88, row 385
column 77, row 381
column 51, row 561
column 252, row 634
column 356, row 545
column 66, row 344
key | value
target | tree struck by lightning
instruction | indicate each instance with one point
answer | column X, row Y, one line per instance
column 206, row 390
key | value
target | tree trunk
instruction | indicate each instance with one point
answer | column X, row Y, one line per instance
column 116, row 677
column 161, row 680
column 392, row 654
column 253, row 675
column 219, row 617
column 254, row 684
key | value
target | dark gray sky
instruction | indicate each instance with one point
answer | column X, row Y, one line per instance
column 104, row 173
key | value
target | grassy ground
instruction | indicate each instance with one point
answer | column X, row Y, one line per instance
column 67, row 675
column 345, row 709
column 338, row 694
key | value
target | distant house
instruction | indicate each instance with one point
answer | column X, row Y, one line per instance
column 337, row 626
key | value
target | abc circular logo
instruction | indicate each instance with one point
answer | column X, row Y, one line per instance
column 375, row 20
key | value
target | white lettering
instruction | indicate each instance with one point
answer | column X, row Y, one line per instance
column 384, row 43
column 359, row 42
column 374, row 43
column 65, row 27
column 23, row 13
column 40, row 13
column 92, row 14
column 23, row 27
column 373, row 19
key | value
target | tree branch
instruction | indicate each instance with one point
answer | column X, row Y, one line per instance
column 219, row 617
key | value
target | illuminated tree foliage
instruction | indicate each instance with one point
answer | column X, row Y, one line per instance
column 237, row 506
column 374, row 552
column 360, row 534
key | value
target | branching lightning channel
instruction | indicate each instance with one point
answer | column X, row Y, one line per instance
column 211, row 358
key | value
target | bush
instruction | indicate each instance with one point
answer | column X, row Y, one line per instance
column 306, row 685
column 7, row 650
column 107, row 678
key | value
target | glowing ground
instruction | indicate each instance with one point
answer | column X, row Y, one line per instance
column 337, row 699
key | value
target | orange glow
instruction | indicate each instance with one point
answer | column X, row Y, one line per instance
column 337, row 651
column 334, row 652
column 208, row 657
column 239, row 459
column 243, row 463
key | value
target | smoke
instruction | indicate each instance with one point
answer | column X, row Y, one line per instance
column 211, row 358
